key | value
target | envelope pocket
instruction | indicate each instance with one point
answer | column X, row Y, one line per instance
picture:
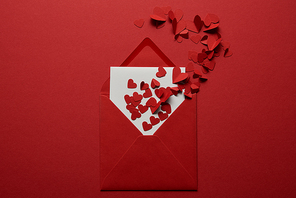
column 148, row 165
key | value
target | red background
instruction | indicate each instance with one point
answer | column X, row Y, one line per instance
column 55, row 56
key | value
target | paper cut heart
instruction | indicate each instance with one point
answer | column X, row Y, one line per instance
column 154, row 83
column 166, row 107
column 180, row 78
column 135, row 114
column 161, row 72
column 211, row 27
column 144, row 85
column 197, row 73
column 210, row 64
column 154, row 120
column 201, row 57
column 194, row 88
column 158, row 14
column 142, row 108
column 159, row 92
column 154, row 108
column 131, row 84
column 135, row 103
column 137, row 97
column 127, row 99
column 146, row 126
column 178, row 14
column 139, row 23
column 147, row 93
column 198, row 22
column 162, row 116
column 178, row 26
column 151, row 102
column 176, row 72
column 174, row 90
column 189, row 67
column 195, row 39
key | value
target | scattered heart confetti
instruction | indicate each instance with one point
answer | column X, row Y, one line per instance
column 146, row 126
column 139, row 23
column 188, row 82
column 161, row 72
column 131, row 84
column 135, row 114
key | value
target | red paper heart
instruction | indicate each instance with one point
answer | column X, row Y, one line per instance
column 166, row 107
column 228, row 53
column 144, row 85
column 195, row 38
column 181, row 87
column 142, row 108
column 180, row 78
column 209, row 64
column 201, row 57
column 158, row 14
column 197, row 73
column 188, row 95
column 154, row 120
column 171, row 15
column 135, row 114
column 153, row 109
column 178, row 14
column 176, row 72
column 194, row 88
column 207, row 20
column 159, row 92
column 137, row 97
column 135, row 103
column 131, row 84
column 139, row 23
column 174, row 90
column 203, row 78
column 147, row 93
column 127, row 99
column 162, row 116
column 189, row 67
column 214, row 18
column 130, row 108
column 225, row 45
column 146, row 126
column 184, row 34
column 151, row 102
column 204, row 40
column 180, row 26
column 211, row 27
column 154, row 83
column 161, row 72
column 167, row 93
column 198, row 22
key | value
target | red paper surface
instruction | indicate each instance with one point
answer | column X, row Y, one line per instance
column 55, row 57
column 164, row 161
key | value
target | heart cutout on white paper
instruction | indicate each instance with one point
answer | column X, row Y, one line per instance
column 119, row 77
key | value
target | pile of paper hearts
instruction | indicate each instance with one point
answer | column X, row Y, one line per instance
column 181, row 29
column 187, row 83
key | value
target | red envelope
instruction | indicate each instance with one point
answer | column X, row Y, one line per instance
column 166, row 160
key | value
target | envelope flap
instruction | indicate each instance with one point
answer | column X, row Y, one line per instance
column 148, row 165
column 147, row 54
